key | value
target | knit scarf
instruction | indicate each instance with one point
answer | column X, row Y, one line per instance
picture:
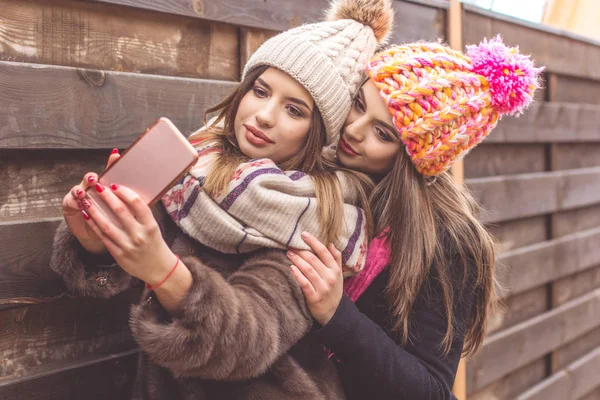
column 262, row 206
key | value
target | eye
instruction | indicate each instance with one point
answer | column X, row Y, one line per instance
column 295, row 112
column 259, row 92
column 359, row 104
column 383, row 135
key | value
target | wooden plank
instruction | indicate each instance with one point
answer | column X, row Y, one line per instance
column 25, row 251
column 572, row 383
column 549, row 47
column 505, row 159
column 99, row 378
column 33, row 183
column 576, row 349
column 512, row 384
column 532, row 266
column 567, row 222
column 517, row 309
column 518, row 233
column 515, row 347
column 38, row 338
column 414, row 21
column 62, row 107
column 573, row 90
column 575, row 155
column 250, row 40
column 575, row 285
column 97, row 36
column 282, row 15
column 547, row 122
column 512, row 197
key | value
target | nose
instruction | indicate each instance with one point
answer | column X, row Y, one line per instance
column 265, row 117
column 355, row 130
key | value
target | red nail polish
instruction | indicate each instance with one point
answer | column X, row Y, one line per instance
column 91, row 178
column 86, row 203
column 114, row 151
column 99, row 188
column 79, row 192
column 85, row 215
column 114, row 186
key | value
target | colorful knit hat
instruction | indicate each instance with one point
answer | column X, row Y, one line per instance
column 445, row 102
column 328, row 58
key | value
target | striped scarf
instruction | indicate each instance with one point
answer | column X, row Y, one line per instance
column 262, row 206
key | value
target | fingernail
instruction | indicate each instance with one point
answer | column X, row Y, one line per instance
column 99, row 188
column 85, row 215
column 86, row 203
column 305, row 234
column 290, row 253
column 114, row 151
column 91, row 179
column 114, row 186
column 79, row 192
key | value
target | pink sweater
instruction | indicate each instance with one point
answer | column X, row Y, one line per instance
column 378, row 257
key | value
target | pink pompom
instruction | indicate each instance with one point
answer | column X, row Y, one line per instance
column 512, row 76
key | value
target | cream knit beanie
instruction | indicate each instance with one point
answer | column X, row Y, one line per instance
column 328, row 58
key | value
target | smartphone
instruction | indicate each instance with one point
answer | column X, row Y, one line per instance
column 150, row 166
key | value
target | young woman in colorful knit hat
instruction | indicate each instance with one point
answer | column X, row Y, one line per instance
column 399, row 330
column 215, row 321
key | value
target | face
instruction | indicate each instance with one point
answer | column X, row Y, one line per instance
column 273, row 119
column 369, row 142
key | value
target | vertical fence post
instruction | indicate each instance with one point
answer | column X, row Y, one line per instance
column 458, row 170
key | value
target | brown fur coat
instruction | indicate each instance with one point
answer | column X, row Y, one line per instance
column 242, row 333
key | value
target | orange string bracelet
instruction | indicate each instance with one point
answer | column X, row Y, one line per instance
column 166, row 277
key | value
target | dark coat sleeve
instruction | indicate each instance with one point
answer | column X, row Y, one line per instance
column 230, row 328
column 372, row 360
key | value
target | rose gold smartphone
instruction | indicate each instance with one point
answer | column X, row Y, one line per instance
column 150, row 166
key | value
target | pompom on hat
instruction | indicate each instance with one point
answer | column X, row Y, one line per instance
column 328, row 58
column 444, row 102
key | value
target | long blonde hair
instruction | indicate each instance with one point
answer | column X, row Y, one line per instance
column 433, row 229
column 308, row 160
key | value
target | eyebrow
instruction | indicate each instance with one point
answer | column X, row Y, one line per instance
column 361, row 95
column 292, row 99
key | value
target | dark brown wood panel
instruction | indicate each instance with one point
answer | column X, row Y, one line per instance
column 554, row 49
column 577, row 348
column 514, row 383
column 517, row 196
column 39, row 338
column 250, row 40
column 414, row 21
column 533, row 266
column 517, row 233
column 25, row 250
column 575, row 285
column 62, row 107
column 567, row 222
column 547, row 122
column 34, row 182
column 575, row 155
column 505, row 159
column 515, row 347
column 572, row 383
column 97, row 36
column 517, row 309
column 97, row 378
column 573, row 90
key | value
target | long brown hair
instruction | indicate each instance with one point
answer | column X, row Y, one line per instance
column 308, row 160
column 433, row 229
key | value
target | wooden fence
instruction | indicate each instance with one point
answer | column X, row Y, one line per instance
column 78, row 78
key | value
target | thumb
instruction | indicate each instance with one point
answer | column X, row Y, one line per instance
column 114, row 156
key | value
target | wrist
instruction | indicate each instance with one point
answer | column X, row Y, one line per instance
column 162, row 270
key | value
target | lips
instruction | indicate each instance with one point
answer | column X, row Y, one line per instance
column 346, row 148
column 257, row 134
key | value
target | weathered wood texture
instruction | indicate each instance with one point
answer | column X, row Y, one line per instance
column 518, row 196
column 549, row 122
column 521, row 344
column 572, row 383
column 60, row 107
column 91, row 35
column 516, row 382
column 492, row 159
